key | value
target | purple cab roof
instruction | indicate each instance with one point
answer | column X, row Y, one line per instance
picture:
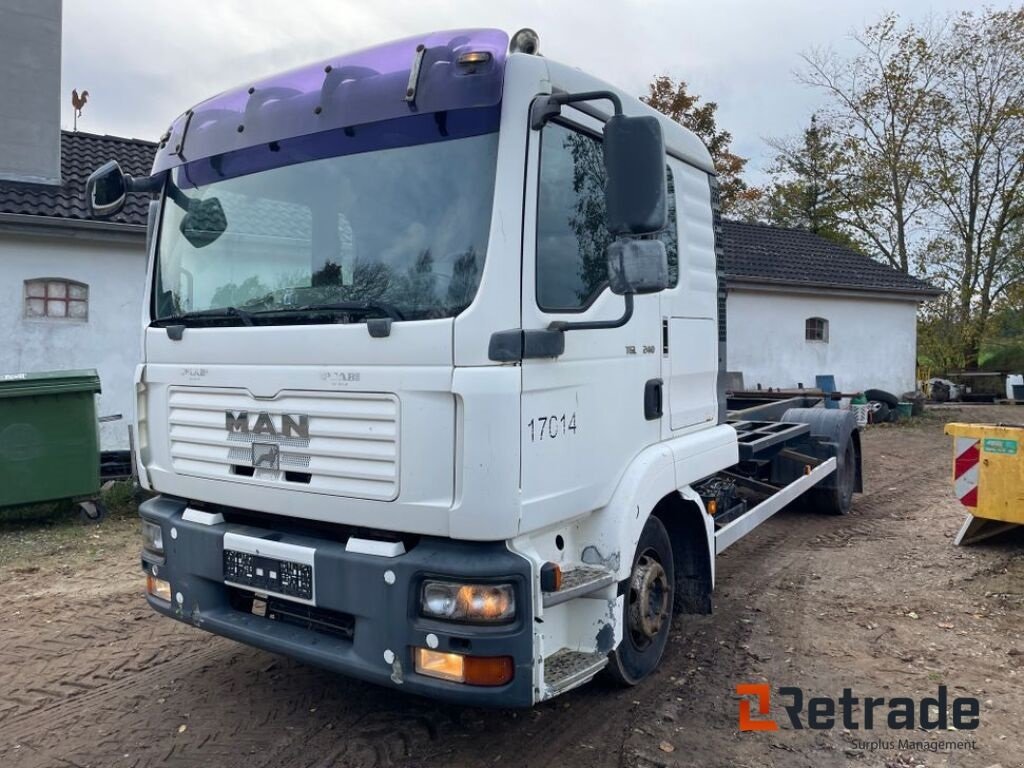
column 357, row 88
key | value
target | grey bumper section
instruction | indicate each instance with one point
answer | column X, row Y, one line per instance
column 381, row 611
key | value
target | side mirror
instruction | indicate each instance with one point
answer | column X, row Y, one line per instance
column 637, row 266
column 636, row 193
column 105, row 190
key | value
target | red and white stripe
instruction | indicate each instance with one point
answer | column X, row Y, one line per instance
column 967, row 456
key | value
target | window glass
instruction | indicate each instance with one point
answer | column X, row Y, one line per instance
column 816, row 329
column 404, row 228
column 56, row 298
column 571, row 232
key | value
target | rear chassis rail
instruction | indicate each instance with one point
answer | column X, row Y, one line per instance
column 786, row 447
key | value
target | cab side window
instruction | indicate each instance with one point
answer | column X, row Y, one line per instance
column 571, row 231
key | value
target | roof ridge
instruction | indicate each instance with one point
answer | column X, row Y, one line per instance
column 775, row 227
column 108, row 137
column 760, row 251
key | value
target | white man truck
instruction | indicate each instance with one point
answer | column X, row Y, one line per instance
column 432, row 343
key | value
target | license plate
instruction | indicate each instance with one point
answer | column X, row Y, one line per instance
column 269, row 567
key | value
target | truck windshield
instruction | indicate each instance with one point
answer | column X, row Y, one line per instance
column 399, row 232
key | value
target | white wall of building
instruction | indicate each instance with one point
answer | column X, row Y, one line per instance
column 872, row 341
column 108, row 341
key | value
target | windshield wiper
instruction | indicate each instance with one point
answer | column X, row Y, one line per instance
column 250, row 318
column 338, row 306
column 217, row 313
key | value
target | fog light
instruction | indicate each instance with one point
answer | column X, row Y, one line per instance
column 490, row 603
column 471, row 670
column 158, row 588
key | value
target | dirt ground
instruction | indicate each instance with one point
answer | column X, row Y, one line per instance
column 879, row 601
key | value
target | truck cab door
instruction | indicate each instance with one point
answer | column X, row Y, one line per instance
column 689, row 307
column 583, row 415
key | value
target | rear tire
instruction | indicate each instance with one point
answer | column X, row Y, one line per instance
column 646, row 608
column 838, row 500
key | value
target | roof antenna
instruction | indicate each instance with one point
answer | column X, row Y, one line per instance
column 78, row 102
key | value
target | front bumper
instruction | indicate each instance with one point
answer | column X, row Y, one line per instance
column 377, row 597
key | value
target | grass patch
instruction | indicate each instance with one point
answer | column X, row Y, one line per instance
column 39, row 535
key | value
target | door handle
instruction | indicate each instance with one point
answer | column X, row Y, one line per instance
column 652, row 399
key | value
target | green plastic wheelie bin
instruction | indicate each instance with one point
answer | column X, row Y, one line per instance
column 49, row 439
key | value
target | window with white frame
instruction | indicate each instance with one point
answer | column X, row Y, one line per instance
column 54, row 297
column 816, row 329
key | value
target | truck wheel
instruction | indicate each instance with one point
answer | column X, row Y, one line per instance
column 647, row 607
column 839, row 499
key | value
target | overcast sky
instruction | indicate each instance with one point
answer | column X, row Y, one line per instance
column 143, row 63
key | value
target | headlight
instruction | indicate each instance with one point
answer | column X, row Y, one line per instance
column 490, row 603
column 152, row 537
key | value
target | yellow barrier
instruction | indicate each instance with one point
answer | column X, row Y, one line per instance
column 988, row 478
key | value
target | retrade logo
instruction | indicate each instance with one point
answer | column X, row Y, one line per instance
column 763, row 693
column 899, row 713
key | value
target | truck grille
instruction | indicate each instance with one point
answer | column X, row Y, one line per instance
column 343, row 444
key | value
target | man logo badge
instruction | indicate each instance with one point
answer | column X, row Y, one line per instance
column 293, row 425
column 266, row 457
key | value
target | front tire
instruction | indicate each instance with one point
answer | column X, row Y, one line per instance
column 646, row 607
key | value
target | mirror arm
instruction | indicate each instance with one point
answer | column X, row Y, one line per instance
column 149, row 185
column 546, row 107
column 563, row 325
column 176, row 196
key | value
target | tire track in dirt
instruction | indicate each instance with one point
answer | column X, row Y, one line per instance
column 70, row 664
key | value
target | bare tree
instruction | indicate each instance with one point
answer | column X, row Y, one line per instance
column 879, row 100
column 974, row 166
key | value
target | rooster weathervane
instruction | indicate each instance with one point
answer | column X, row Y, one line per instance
column 78, row 102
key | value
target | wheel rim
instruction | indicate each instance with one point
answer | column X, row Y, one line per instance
column 649, row 600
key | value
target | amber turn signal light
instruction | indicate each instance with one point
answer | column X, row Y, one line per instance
column 158, row 588
column 550, row 577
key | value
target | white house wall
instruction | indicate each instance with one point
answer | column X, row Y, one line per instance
column 108, row 341
column 872, row 342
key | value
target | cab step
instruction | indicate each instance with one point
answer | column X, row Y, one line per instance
column 566, row 669
column 579, row 581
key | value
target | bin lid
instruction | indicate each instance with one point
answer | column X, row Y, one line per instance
column 48, row 383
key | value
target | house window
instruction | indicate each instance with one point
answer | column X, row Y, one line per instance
column 56, row 298
column 816, row 329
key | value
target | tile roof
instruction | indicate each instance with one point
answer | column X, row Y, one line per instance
column 760, row 253
column 80, row 155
